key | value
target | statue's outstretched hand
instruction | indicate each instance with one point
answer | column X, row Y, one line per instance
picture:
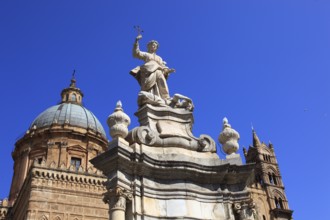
column 171, row 71
column 139, row 37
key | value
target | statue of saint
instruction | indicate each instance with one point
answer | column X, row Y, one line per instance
column 153, row 73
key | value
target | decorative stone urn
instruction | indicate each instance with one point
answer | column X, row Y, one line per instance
column 229, row 138
column 118, row 122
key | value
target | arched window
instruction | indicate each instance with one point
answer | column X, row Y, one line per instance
column 73, row 97
column 280, row 201
column 270, row 178
column 274, row 179
column 277, row 204
column 263, row 217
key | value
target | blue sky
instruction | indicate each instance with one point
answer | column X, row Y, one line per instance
column 264, row 63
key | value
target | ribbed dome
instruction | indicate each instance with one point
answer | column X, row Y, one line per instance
column 71, row 114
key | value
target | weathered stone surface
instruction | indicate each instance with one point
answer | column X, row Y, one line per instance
column 174, row 182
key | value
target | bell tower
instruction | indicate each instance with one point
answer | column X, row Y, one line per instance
column 267, row 189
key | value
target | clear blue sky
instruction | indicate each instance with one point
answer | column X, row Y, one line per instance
column 264, row 62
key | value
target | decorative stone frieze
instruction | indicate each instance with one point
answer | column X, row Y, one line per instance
column 57, row 179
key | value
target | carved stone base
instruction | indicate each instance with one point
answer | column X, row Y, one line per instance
column 172, row 183
column 168, row 127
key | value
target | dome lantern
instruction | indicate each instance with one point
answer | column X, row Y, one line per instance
column 72, row 94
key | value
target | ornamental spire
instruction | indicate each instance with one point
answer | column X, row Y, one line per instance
column 256, row 141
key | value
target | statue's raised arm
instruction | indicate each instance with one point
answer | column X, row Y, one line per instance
column 136, row 49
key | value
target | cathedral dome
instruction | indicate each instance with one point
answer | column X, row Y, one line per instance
column 68, row 114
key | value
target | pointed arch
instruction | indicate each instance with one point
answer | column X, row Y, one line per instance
column 272, row 169
column 278, row 194
column 43, row 217
column 57, row 218
column 265, row 149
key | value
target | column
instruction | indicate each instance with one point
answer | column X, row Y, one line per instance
column 117, row 199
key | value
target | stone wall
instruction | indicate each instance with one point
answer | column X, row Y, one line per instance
column 61, row 194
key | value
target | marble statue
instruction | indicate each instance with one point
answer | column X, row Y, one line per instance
column 153, row 73
column 152, row 76
column 165, row 121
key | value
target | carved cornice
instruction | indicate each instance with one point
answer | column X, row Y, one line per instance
column 142, row 164
column 64, row 179
column 60, row 131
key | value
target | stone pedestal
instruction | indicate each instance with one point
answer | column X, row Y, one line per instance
column 168, row 127
column 153, row 182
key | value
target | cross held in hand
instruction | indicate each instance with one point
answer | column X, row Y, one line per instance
column 138, row 29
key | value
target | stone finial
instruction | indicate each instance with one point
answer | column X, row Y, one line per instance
column 4, row 202
column 270, row 145
column 255, row 139
column 118, row 122
column 229, row 138
column 244, row 151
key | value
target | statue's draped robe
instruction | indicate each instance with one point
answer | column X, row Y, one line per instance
column 151, row 74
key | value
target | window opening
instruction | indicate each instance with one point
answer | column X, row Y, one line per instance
column 76, row 162
column 274, row 179
column 270, row 178
column 281, row 203
column 39, row 160
column 73, row 97
column 277, row 204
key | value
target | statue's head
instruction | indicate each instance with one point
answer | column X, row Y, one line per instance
column 152, row 46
